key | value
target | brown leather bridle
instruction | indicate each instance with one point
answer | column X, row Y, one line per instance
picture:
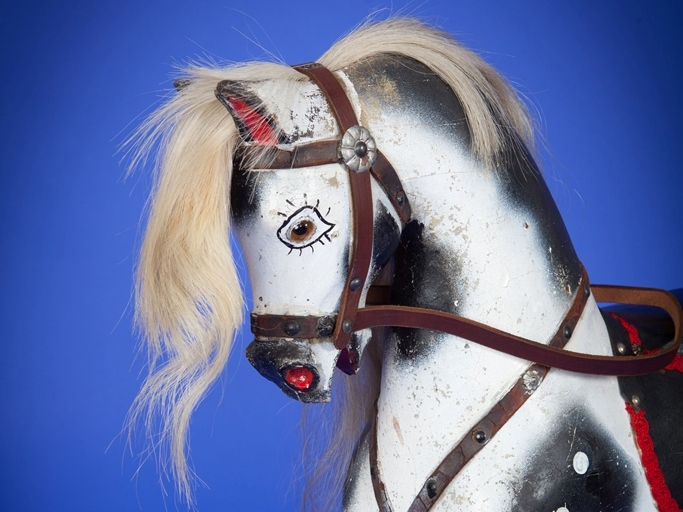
column 351, row 318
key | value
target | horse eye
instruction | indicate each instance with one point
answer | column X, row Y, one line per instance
column 302, row 231
column 303, row 228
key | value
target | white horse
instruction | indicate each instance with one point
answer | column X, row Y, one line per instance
column 403, row 162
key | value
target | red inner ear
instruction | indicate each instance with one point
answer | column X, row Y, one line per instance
column 259, row 127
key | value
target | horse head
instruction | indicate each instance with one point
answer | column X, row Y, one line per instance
column 295, row 226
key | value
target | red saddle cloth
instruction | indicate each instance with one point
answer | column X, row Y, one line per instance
column 660, row 395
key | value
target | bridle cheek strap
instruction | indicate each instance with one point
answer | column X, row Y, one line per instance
column 361, row 201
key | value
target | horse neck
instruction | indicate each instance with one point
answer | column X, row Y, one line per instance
column 476, row 251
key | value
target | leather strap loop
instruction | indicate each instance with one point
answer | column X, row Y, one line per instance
column 402, row 316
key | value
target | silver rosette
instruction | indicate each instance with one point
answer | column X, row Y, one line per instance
column 358, row 149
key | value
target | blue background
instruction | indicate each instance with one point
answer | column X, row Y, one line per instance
column 603, row 77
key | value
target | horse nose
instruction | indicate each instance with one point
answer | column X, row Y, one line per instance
column 291, row 365
column 299, row 377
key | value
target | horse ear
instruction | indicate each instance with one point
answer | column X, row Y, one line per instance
column 181, row 84
column 253, row 121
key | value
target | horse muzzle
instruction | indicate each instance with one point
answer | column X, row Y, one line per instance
column 301, row 369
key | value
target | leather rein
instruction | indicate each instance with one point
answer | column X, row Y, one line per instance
column 351, row 318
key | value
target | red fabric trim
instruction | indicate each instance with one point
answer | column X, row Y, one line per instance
column 630, row 329
column 675, row 365
column 641, row 427
column 653, row 473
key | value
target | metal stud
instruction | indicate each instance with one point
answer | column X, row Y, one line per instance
column 292, row 328
column 347, row 325
column 325, row 327
column 587, row 289
column 358, row 149
column 479, row 436
column 567, row 331
column 635, row 401
column 361, row 149
column 431, row 488
column 355, row 284
column 400, row 197
column 531, row 380
column 621, row 348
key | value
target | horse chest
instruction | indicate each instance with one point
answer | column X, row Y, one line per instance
column 569, row 446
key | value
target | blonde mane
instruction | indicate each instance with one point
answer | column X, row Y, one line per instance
column 188, row 296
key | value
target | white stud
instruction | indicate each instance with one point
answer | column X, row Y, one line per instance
column 580, row 463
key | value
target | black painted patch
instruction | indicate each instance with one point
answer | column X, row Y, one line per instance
column 244, row 196
column 424, row 278
column 526, row 189
column 386, row 236
column 401, row 83
column 551, row 481
column 399, row 80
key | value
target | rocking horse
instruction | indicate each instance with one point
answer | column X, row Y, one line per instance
column 388, row 203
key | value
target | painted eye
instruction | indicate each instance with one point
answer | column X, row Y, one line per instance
column 303, row 228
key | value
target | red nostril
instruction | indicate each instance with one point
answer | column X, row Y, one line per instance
column 299, row 377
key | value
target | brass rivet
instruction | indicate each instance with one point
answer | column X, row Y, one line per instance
column 347, row 325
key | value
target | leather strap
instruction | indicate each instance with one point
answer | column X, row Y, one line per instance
column 402, row 316
column 526, row 385
column 321, row 153
column 499, row 414
column 361, row 201
column 333, row 91
column 546, row 355
column 341, row 107
column 306, row 155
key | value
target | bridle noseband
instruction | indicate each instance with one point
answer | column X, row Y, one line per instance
column 350, row 318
